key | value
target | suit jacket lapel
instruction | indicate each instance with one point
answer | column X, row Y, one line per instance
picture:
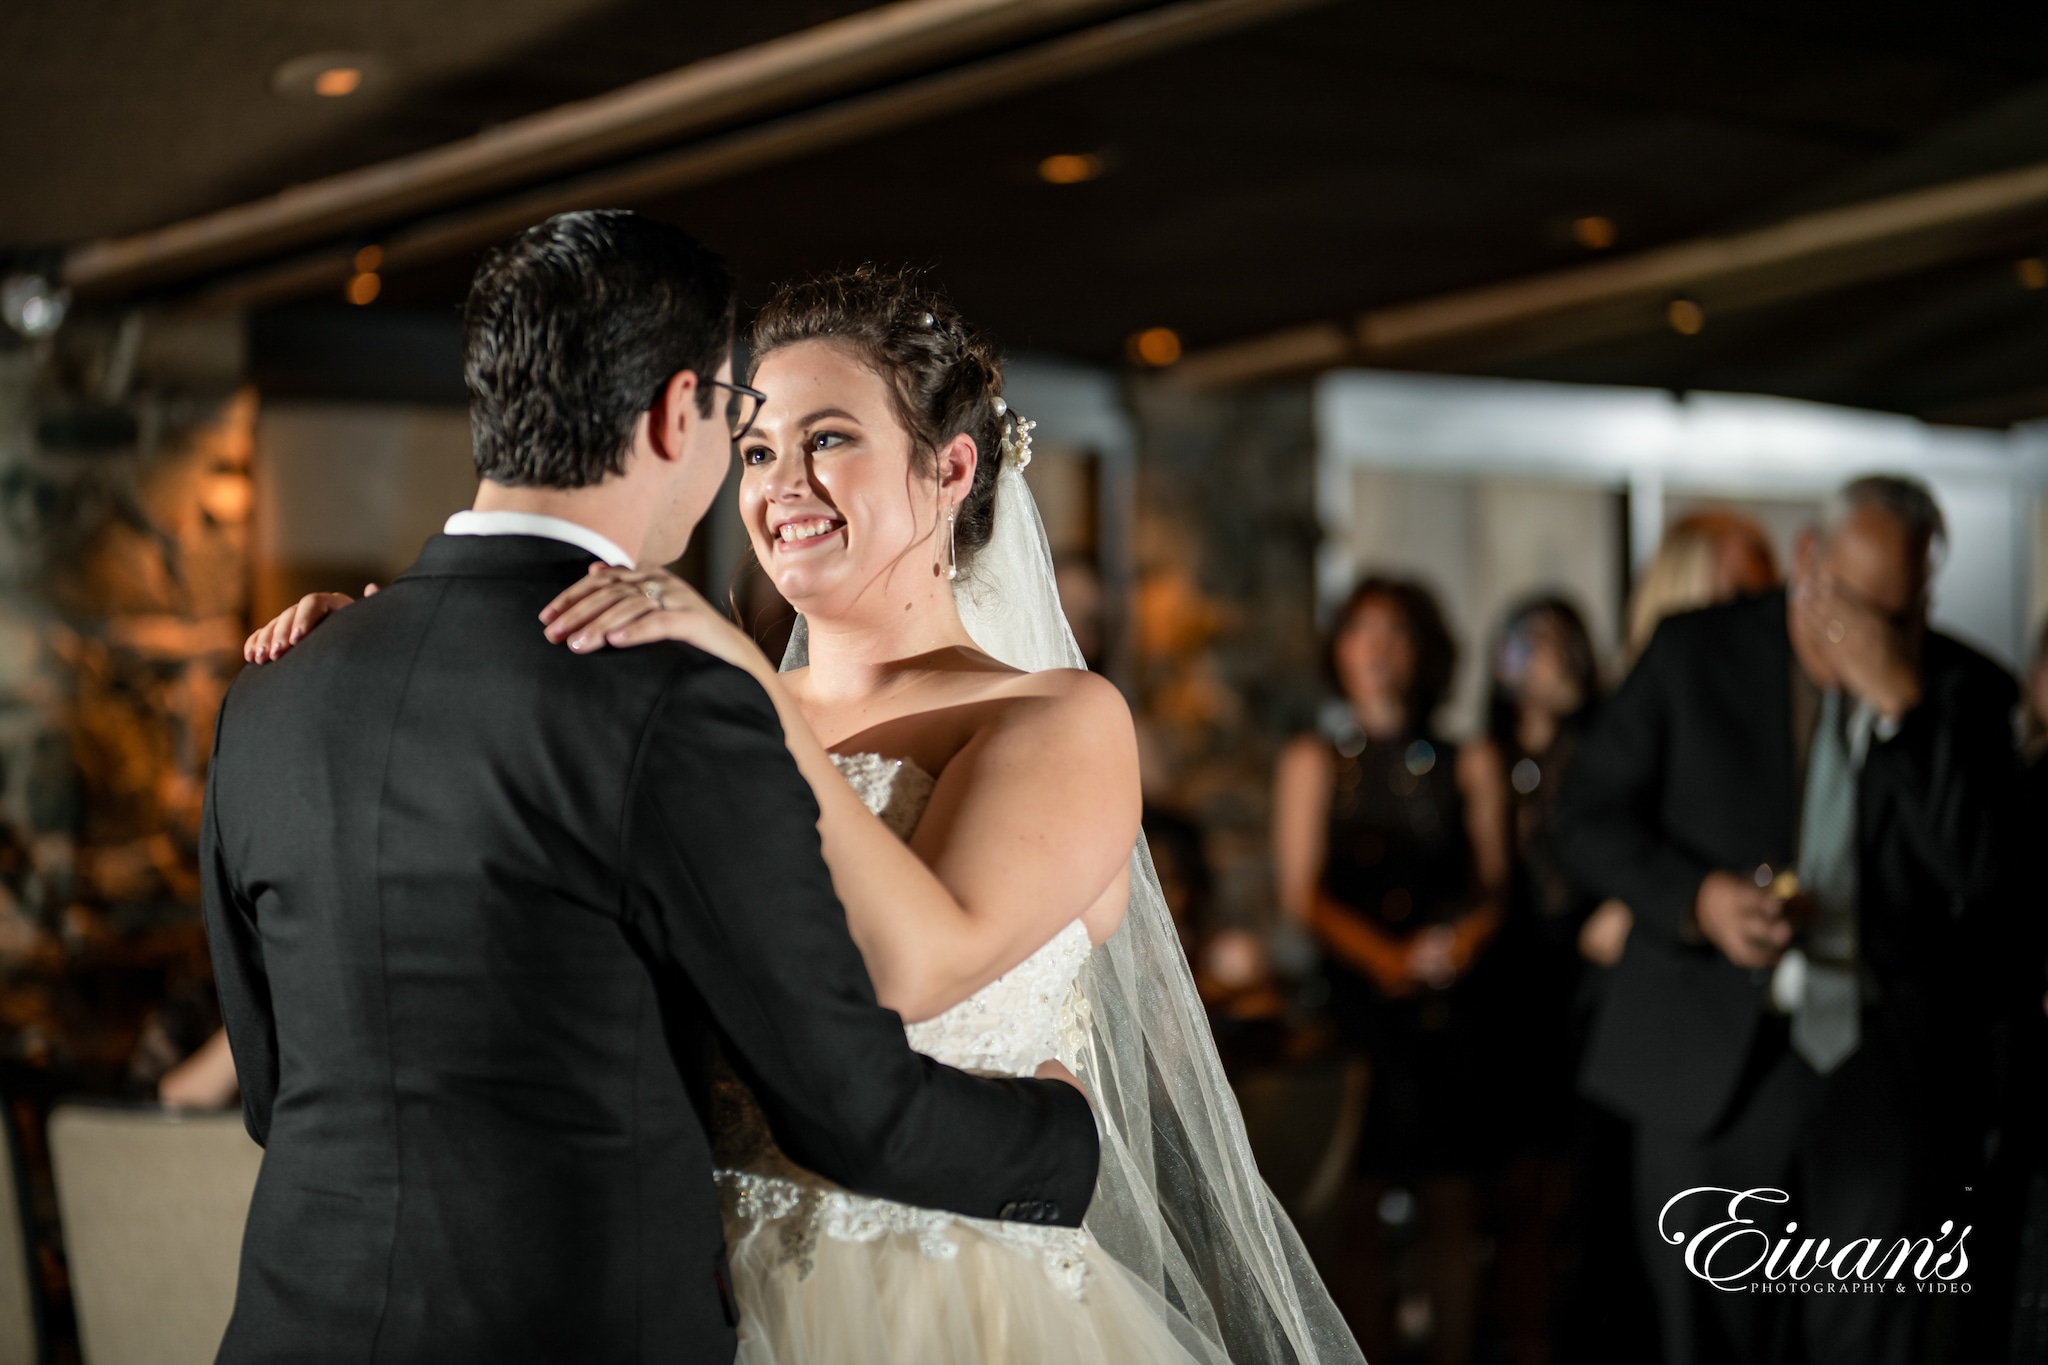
column 1771, row 650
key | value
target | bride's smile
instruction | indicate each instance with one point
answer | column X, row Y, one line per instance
column 802, row 533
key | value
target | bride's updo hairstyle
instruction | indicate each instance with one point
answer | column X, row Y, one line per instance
column 943, row 373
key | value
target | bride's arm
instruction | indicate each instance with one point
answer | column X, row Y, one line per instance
column 1028, row 827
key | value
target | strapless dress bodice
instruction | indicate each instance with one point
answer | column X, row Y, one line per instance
column 1013, row 1023
column 1030, row 1013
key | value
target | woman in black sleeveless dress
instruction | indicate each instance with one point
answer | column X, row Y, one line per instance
column 1390, row 844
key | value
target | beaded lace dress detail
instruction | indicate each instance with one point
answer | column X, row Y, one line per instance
column 1004, row 1029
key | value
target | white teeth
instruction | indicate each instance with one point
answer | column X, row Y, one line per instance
column 805, row 530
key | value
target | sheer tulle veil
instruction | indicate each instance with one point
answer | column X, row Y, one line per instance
column 1179, row 1200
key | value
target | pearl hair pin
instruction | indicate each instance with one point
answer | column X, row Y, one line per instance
column 1016, row 444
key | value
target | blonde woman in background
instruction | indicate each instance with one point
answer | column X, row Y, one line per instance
column 1706, row 557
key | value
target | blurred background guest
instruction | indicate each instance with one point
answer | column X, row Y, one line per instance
column 1705, row 557
column 1828, row 733
column 1544, row 687
column 1390, row 844
column 205, row 1080
column 2021, row 1182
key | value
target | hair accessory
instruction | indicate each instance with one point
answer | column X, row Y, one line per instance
column 930, row 321
column 1002, row 406
column 1016, row 442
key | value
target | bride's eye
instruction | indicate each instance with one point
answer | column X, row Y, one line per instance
column 824, row 440
column 750, row 455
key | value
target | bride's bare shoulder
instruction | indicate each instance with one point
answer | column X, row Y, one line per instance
column 1072, row 701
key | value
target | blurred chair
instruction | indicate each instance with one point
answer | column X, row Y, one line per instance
column 153, row 1203
column 18, row 1344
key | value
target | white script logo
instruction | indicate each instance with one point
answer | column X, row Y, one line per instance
column 1737, row 1255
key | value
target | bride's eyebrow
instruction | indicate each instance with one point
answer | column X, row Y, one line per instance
column 822, row 413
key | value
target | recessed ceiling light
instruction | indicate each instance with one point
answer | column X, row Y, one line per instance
column 328, row 75
column 1593, row 232
column 1155, row 346
column 1069, row 168
column 364, row 287
column 2032, row 272
column 337, row 81
column 1686, row 317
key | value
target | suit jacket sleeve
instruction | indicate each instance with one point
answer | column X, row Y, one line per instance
column 1949, row 777
column 729, row 886
column 1610, row 837
column 237, row 951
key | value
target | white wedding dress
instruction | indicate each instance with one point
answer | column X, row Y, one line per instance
column 824, row 1276
column 1185, row 1255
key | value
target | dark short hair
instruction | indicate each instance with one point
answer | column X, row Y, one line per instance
column 570, row 332
column 1436, row 653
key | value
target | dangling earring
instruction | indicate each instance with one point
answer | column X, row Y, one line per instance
column 952, row 550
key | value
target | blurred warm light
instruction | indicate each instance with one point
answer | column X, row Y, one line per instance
column 337, row 81
column 1069, row 168
column 368, row 259
column 364, row 287
column 1593, row 232
column 329, row 75
column 227, row 498
column 1154, row 346
column 1686, row 317
column 2032, row 272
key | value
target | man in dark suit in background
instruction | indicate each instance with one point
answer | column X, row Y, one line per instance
column 480, row 906
column 1829, row 1039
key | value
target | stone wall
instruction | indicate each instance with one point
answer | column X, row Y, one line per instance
column 125, row 491
column 1228, row 653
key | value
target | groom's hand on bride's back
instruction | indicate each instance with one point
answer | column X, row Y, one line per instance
column 290, row 625
column 1051, row 1069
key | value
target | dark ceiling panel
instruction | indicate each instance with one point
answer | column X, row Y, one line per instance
column 1356, row 155
column 118, row 115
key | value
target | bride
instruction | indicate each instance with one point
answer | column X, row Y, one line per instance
column 978, row 804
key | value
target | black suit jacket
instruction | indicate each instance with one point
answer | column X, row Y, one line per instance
column 1691, row 769
column 480, row 910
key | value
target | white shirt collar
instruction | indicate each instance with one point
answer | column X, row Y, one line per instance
column 534, row 524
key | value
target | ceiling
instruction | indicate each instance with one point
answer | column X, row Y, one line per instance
column 1359, row 154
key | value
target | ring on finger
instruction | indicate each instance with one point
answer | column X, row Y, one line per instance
column 652, row 588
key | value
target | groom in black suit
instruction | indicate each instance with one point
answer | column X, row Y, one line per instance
column 1829, row 1039
column 481, row 908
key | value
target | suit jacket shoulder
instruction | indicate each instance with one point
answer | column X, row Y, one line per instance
column 1960, row 671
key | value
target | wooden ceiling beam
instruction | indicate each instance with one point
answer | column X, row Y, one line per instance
column 753, row 82
column 650, row 178
column 1801, row 256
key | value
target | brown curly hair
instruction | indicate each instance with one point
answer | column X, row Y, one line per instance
column 944, row 374
column 1436, row 652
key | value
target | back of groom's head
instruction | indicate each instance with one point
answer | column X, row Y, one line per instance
column 571, row 331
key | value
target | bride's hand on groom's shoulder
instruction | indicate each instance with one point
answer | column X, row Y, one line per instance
column 627, row 607
column 271, row 640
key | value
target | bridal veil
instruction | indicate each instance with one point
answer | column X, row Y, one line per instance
column 1179, row 1201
